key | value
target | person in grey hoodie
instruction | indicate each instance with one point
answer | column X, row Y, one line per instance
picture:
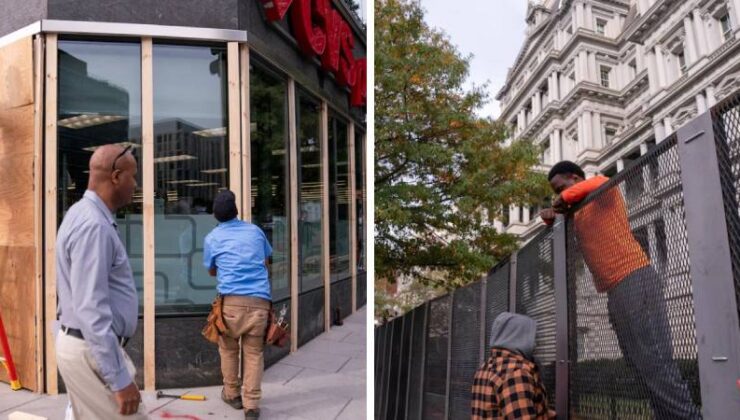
column 509, row 385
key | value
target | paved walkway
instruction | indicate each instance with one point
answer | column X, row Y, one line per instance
column 325, row 379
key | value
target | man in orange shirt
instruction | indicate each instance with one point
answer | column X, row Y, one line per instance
column 620, row 268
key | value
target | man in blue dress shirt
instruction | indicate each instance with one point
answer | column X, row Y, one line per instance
column 238, row 253
column 98, row 304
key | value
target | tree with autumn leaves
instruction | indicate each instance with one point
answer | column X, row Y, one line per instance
column 442, row 173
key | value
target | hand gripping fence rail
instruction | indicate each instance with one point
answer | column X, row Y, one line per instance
column 635, row 294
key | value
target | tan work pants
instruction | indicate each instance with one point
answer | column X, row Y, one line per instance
column 246, row 319
column 91, row 398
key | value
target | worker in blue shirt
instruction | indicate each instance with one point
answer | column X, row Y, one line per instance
column 238, row 252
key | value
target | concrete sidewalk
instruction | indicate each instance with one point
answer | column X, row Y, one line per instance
column 324, row 379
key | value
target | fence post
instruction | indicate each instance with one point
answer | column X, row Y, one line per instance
column 423, row 360
column 717, row 328
column 560, row 278
column 483, row 320
column 512, row 282
column 449, row 354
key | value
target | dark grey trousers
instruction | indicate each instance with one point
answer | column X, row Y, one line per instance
column 637, row 311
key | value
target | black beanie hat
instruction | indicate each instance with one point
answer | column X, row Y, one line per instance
column 224, row 206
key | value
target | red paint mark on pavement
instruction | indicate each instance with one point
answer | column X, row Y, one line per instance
column 168, row 415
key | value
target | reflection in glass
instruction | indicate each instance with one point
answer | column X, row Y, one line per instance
column 269, row 143
column 100, row 103
column 309, row 192
column 360, row 194
column 338, row 199
column 190, row 167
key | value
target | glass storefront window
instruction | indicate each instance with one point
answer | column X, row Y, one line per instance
column 269, row 166
column 339, row 244
column 190, row 167
column 99, row 102
column 309, row 192
column 360, row 197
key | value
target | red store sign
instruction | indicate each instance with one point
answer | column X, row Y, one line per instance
column 321, row 31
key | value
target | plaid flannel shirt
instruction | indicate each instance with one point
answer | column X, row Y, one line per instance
column 508, row 386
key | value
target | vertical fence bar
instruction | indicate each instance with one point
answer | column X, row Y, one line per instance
column 512, row 282
column 483, row 319
column 449, row 353
column 562, row 364
column 423, row 359
column 718, row 334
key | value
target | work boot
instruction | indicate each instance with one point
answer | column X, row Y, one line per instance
column 234, row 402
column 252, row 414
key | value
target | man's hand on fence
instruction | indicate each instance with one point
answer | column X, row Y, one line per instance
column 559, row 205
column 548, row 216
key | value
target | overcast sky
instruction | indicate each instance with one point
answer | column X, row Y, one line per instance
column 491, row 30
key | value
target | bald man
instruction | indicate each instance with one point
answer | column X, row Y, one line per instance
column 98, row 304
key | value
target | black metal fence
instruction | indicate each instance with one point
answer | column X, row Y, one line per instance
column 635, row 295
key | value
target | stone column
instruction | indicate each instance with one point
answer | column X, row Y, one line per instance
column 660, row 66
column 701, row 103
column 514, row 214
column 598, row 141
column 700, row 30
column 581, row 135
column 652, row 72
column 643, row 149
column 593, row 72
column 711, row 98
column 659, row 132
column 536, row 104
column 667, row 125
column 691, row 55
column 736, row 17
column 555, row 86
column 521, row 120
column 579, row 16
column 589, row 19
column 584, row 65
column 525, row 219
column 639, row 57
column 556, row 147
column 620, row 165
column 643, row 6
column 588, row 130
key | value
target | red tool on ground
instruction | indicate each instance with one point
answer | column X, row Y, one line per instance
column 7, row 359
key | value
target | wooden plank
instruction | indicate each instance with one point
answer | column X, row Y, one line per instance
column 17, row 246
column 246, row 133
column 50, row 207
column 16, row 74
column 38, row 202
column 352, row 213
column 235, row 161
column 293, row 147
column 147, row 164
column 325, row 247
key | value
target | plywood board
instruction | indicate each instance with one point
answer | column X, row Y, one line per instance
column 18, row 288
column 16, row 74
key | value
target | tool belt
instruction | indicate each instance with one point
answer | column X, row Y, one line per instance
column 74, row 332
column 215, row 326
column 277, row 330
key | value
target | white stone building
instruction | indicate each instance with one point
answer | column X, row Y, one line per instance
column 600, row 82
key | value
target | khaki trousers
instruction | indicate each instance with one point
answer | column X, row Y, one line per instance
column 246, row 319
column 91, row 398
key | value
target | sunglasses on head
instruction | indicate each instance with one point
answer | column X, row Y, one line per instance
column 113, row 168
